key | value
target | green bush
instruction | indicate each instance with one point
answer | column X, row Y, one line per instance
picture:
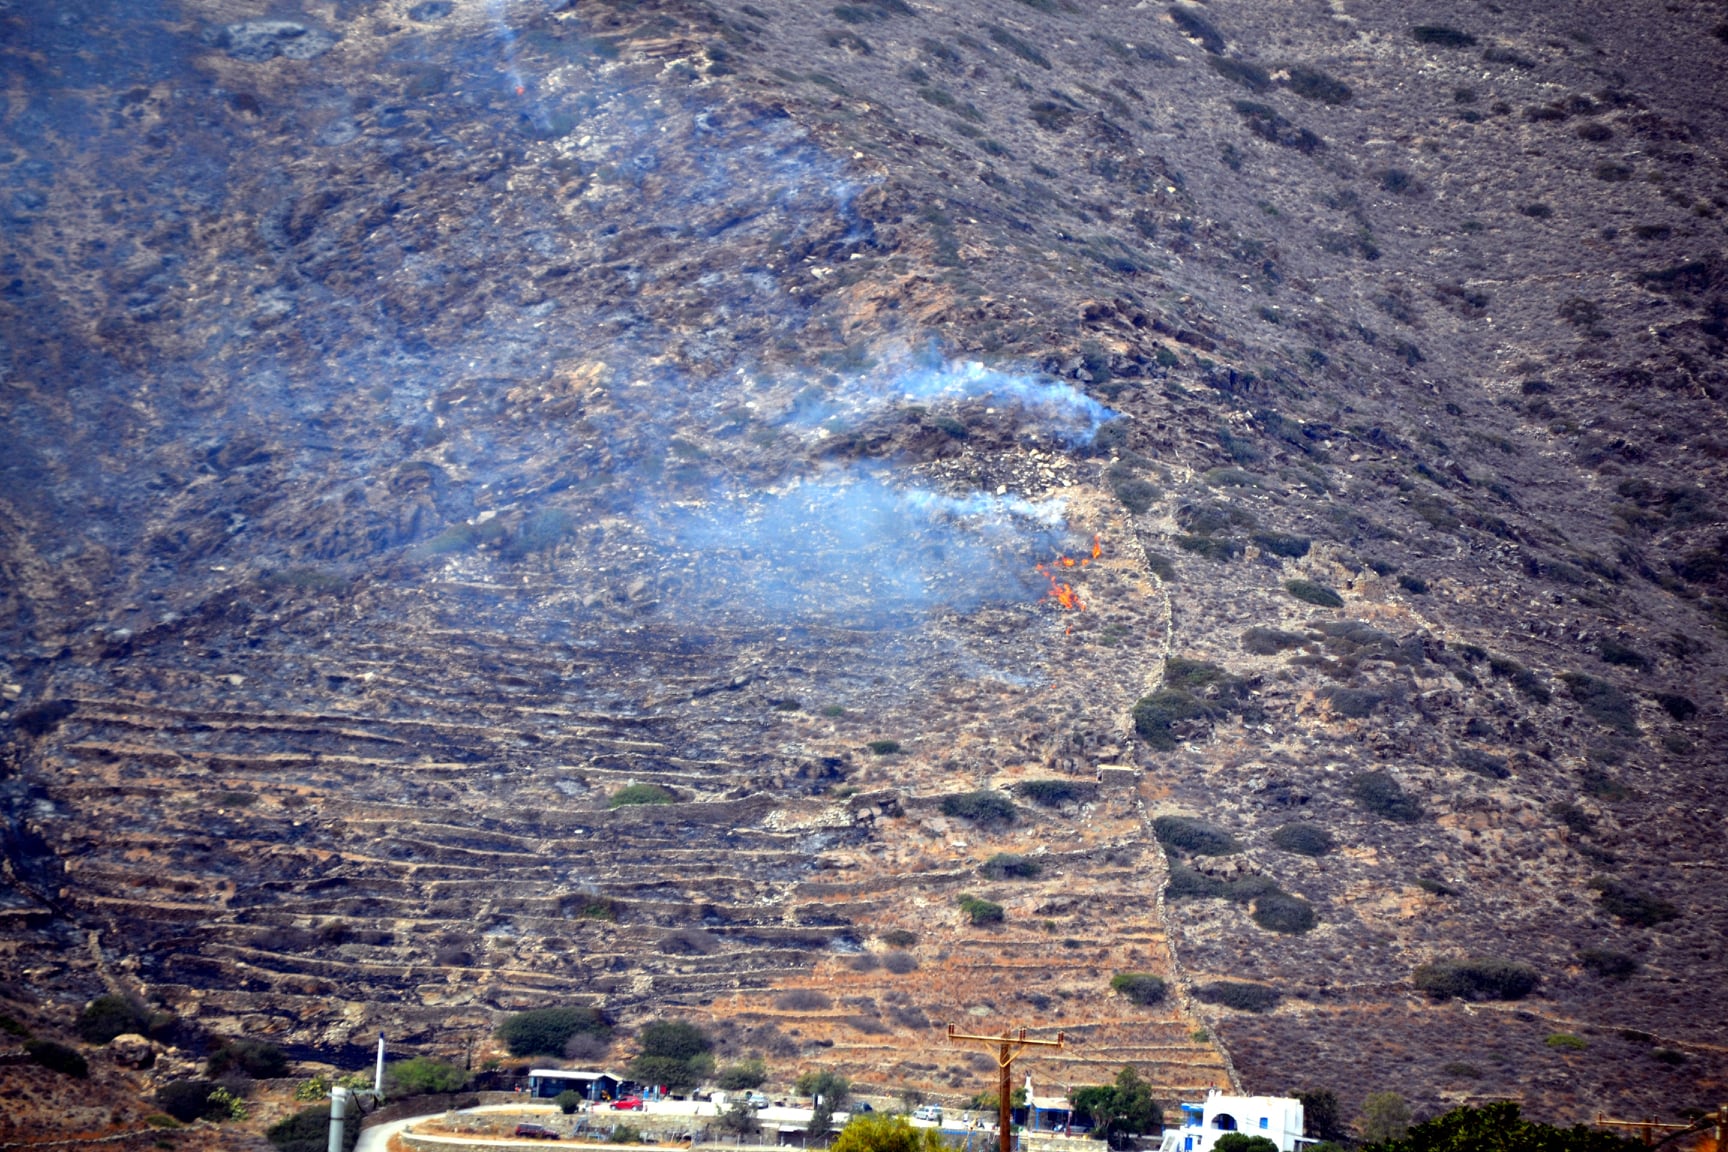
column 640, row 794
column 978, row 911
column 1303, row 839
column 1525, row 681
column 57, row 1058
column 1632, row 907
column 1459, row 1070
column 1192, row 690
column 545, row 1031
column 983, row 807
column 109, row 1016
column 1212, row 547
column 1282, row 912
column 255, row 1058
column 1052, row 793
column 1190, row 883
column 898, row 938
column 308, row 1130
column 1140, row 987
column 1240, row 996
column 1242, row 1142
column 1414, row 585
column 1603, row 702
column 1379, row 793
column 1311, row 593
column 1614, row 652
column 1607, row 964
column 1481, row 763
column 1677, row 706
column 423, row 1076
column 1010, row 866
column 1499, row 1126
column 743, row 1076
column 1566, row 1041
column 569, row 1102
column 1442, row 36
column 883, row 747
column 1280, row 544
column 1160, row 566
column 675, row 1054
column 1263, row 641
column 12, row 1026
column 1475, row 979
column 189, row 1100
column 1313, row 84
column 1196, row 836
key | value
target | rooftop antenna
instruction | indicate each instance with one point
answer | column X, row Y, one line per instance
column 1008, row 1047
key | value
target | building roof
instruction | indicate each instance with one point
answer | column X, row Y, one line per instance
column 571, row 1074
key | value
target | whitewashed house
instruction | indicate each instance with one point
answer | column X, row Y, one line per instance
column 1278, row 1118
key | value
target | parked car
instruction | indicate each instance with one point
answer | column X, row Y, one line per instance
column 627, row 1104
column 862, row 1106
column 537, row 1132
column 928, row 1112
column 757, row 1100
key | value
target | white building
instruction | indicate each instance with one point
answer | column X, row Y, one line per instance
column 1278, row 1118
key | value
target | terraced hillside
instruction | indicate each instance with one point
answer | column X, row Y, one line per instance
column 426, row 421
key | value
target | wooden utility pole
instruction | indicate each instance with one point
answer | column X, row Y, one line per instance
column 1649, row 1126
column 1007, row 1048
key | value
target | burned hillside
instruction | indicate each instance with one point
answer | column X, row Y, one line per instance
column 652, row 504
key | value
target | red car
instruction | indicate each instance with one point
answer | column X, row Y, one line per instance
column 537, row 1132
column 627, row 1103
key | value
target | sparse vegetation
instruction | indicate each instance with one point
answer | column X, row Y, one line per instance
column 899, row 938
column 1475, row 979
column 1566, row 1042
column 1603, row 702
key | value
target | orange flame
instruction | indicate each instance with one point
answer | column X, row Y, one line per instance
column 1067, row 599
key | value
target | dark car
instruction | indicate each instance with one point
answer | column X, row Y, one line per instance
column 537, row 1132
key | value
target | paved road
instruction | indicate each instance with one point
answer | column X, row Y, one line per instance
column 375, row 1139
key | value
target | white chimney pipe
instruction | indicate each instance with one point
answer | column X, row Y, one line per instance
column 378, row 1076
column 338, row 1110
